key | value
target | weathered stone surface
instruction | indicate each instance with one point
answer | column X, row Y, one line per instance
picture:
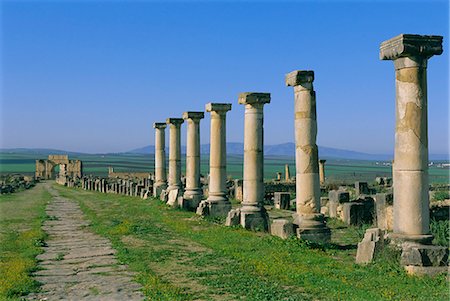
column 172, row 199
column 282, row 228
column 361, row 188
column 78, row 264
column 406, row 45
column 383, row 204
column 282, row 200
column 427, row 271
column 339, row 196
column 233, row 217
column 423, row 255
column 371, row 244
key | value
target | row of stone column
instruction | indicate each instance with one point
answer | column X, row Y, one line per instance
column 410, row 54
column 139, row 188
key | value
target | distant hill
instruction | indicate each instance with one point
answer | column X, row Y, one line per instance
column 236, row 148
column 38, row 151
column 285, row 149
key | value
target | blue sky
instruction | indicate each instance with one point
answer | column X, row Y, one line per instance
column 93, row 76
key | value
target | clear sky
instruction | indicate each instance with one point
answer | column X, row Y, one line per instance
column 93, row 76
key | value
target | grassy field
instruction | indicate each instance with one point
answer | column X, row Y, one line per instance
column 180, row 256
column 336, row 170
column 21, row 238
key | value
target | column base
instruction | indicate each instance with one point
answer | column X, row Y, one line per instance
column 214, row 208
column 254, row 218
column 398, row 238
column 414, row 254
column 190, row 202
column 158, row 188
column 312, row 227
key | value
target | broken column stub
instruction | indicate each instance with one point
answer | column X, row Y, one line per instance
column 217, row 203
column 175, row 188
column 310, row 221
column 410, row 54
column 372, row 243
column 253, row 214
column 193, row 193
column 160, row 159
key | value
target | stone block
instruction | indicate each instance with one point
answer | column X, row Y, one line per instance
column 332, row 209
column 324, row 210
column 282, row 228
column 361, row 188
column 324, row 201
column 352, row 213
column 371, row 244
column 233, row 217
column 423, row 255
column 172, row 199
column 383, row 201
column 339, row 196
column 257, row 221
column 282, row 200
column 238, row 190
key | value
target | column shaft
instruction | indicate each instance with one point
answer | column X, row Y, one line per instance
column 175, row 157
column 306, row 153
column 411, row 206
column 218, row 158
column 253, row 156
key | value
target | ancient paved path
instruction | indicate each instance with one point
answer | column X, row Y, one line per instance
column 78, row 264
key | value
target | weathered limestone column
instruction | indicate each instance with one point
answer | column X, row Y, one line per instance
column 217, row 203
column 410, row 54
column 160, row 159
column 322, row 171
column 287, row 174
column 193, row 192
column 311, row 225
column 174, row 159
column 253, row 213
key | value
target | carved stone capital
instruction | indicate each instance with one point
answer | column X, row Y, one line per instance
column 159, row 125
column 249, row 98
column 411, row 45
column 299, row 77
column 218, row 107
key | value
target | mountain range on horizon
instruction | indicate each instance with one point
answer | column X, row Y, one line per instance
column 237, row 148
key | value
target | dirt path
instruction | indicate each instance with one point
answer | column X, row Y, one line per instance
column 78, row 264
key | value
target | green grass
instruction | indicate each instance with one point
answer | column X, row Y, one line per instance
column 336, row 170
column 21, row 239
column 179, row 256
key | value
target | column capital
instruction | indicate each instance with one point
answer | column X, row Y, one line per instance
column 218, row 107
column 175, row 121
column 193, row 115
column 299, row 77
column 159, row 125
column 249, row 98
column 410, row 45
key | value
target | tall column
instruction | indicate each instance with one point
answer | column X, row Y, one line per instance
column 322, row 171
column 311, row 225
column 253, row 213
column 287, row 174
column 193, row 192
column 160, row 159
column 410, row 54
column 217, row 203
column 175, row 154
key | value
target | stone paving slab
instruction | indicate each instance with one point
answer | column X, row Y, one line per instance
column 78, row 264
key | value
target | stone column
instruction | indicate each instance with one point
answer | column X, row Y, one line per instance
column 217, row 203
column 287, row 174
column 253, row 213
column 322, row 171
column 160, row 159
column 311, row 225
column 193, row 193
column 410, row 54
column 174, row 159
